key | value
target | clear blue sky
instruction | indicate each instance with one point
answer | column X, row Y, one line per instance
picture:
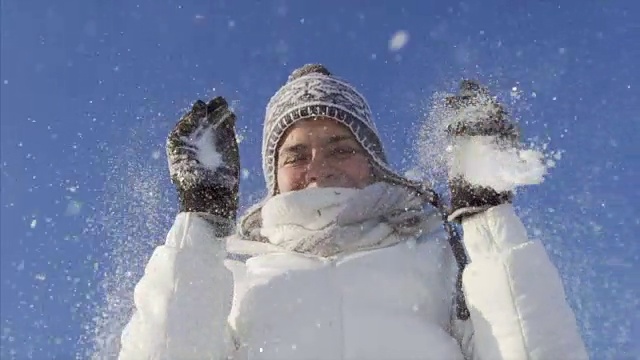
column 89, row 90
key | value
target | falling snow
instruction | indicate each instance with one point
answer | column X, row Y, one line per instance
column 73, row 208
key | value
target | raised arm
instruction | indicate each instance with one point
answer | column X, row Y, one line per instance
column 516, row 300
column 184, row 298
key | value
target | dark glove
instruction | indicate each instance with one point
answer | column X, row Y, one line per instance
column 203, row 159
column 488, row 118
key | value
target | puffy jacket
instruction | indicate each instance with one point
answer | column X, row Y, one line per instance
column 203, row 297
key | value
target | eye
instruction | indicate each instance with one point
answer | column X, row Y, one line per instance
column 293, row 159
column 343, row 152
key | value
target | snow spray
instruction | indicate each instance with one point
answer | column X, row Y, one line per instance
column 479, row 159
column 137, row 211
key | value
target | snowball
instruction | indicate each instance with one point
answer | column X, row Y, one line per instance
column 207, row 154
column 482, row 162
column 398, row 40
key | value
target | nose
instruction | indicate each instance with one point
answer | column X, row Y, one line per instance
column 319, row 169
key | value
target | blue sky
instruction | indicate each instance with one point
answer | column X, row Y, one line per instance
column 90, row 89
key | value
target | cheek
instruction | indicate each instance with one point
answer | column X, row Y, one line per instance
column 357, row 169
column 289, row 179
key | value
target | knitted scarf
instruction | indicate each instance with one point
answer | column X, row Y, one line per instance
column 329, row 221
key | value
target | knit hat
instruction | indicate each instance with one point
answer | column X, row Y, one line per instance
column 313, row 91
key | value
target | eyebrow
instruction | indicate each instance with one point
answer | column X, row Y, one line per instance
column 297, row 148
column 338, row 138
column 293, row 148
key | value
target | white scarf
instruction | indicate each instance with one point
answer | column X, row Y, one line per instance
column 328, row 221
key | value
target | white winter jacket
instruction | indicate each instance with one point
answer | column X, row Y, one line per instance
column 203, row 297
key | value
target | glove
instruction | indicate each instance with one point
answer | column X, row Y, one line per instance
column 482, row 115
column 203, row 158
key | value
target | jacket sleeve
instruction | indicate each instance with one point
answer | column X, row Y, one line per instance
column 183, row 299
column 514, row 293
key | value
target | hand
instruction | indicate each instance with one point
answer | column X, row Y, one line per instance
column 204, row 161
column 476, row 113
column 485, row 116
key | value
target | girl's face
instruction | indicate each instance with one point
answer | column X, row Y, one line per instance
column 321, row 152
